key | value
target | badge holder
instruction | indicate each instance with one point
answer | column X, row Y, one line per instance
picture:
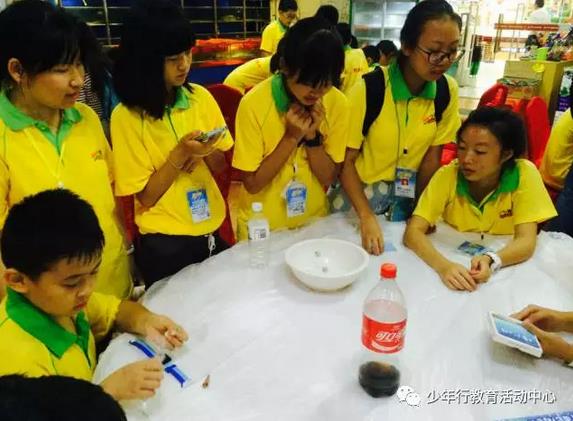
column 198, row 205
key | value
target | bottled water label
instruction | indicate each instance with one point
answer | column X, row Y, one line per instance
column 258, row 233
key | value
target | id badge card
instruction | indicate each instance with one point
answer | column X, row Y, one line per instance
column 472, row 249
column 198, row 205
column 295, row 196
column 405, row 183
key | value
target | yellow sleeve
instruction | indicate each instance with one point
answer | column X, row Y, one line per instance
column 531, row 202
column 101, row 312
column 357, row 109
column 435, row 196
column 339, row 118
column 267, row 39
column 135, row 168
column 451, row 122
column 4, row 190
column 559, row 152
column 226, row 142
column 249, row 145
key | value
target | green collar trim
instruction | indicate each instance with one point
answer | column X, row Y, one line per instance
column 509, row 182
column 17, row 120
column 43, row 327
column 181, row 100
column 280, row 95
column 347, row 48
column 400, row 90
column 282, row 26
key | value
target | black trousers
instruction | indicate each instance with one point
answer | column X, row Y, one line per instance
column 161, row 255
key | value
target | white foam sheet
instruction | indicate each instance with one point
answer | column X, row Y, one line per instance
column 275, row 350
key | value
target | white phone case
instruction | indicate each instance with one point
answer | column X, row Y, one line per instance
column 510, row 330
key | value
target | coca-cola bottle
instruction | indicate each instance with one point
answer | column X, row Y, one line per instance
column 383, row 331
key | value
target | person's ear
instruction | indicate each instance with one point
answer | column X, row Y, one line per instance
column 15, row 70
column 17, row 281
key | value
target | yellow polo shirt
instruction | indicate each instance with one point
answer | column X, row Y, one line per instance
column 272, row 34
column 249, row 74
column 355, row 65
column 260, row 127
column 32, row 159
column 141, row 146
column 520, row 198
column 558, row 157
column 405, row 123
column 33, row 344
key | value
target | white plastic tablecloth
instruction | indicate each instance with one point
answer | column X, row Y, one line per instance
column 276, row 350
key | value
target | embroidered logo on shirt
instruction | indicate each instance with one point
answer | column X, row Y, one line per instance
column 506, row 213
column 97, row 155
column 429, row 119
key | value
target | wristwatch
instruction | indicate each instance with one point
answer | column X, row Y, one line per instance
column 313, row 143
column 495, row 261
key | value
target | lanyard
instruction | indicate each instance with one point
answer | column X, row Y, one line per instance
column 57, row 174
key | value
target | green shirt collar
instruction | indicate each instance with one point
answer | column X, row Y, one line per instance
column 280, row 95
column 509, row 181
column 347, row 48
column 400, row 90
column 181, row 100
column 17, row 120
column 43, row 327
column 282, row 27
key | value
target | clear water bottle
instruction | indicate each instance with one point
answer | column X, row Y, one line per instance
column 383, row 332
column 259, row 237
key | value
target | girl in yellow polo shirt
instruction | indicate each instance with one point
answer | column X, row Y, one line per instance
column 47, row 139
column 275, row 30
column 155, row 133
column 487, row 190
column 390, row 162
column 291, row 131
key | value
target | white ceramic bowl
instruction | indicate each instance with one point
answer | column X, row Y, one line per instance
column 326, row 264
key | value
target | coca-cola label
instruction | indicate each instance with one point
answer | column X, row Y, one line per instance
column 385, row 338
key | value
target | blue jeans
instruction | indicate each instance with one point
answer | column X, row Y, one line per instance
column 563, row 222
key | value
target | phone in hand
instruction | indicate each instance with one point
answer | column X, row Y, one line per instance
column 211, row 134
column 510, row 332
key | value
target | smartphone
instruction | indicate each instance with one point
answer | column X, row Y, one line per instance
column 207, row 136
column 510, row 332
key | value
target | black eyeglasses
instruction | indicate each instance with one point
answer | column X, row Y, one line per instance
column 437, row 57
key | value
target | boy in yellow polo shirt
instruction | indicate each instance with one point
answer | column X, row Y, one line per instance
column 275, row 30
column 291, row 131
column 50, row 319
column 156, row 132
column 485, row 190
column 47, row 139
column 355, row 62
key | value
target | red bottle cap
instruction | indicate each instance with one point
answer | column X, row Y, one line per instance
column 388, row 270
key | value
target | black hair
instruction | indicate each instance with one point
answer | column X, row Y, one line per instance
column 42, row 36
column 540, row 3
column 55, row 398
column 153, row 30
column 47, row 227
column 353, row 41
column 506, row 125
column 315, row 51
column 372, row 53
column 328, row 12
column 422, row 13
column 276, row 57
column 345, row 33
column 387, row 47
column 286, row 5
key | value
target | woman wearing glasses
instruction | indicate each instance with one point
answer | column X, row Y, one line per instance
column 393, row 153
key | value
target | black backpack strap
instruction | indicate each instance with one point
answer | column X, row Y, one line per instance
column 442, row 99
column 375, row 90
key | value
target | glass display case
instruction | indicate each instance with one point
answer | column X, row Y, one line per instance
column 375, row 20
column 210, row 18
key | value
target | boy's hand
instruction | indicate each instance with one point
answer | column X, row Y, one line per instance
column 163, row 331
column 544, row 318
column 457, row 277
column 552, row 344
column 134, row 381
column 480, row 268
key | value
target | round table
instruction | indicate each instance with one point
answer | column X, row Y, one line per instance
column 275, row 350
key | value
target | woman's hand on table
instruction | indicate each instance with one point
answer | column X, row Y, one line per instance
column 163, row 331
column 457, row 277
column 552, row 344
column 480, row 269
column 371, row 234
column 544, row 318
column 137, row 380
